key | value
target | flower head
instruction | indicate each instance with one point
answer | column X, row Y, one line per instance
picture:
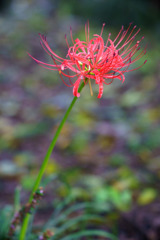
column 94, row 59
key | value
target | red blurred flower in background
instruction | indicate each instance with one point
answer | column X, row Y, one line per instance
column 96, row 60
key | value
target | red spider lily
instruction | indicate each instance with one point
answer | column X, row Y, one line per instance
column 94, row 59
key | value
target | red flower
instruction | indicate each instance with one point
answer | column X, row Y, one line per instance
column 94, row 59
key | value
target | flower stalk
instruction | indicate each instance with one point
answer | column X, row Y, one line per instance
column 45, row 162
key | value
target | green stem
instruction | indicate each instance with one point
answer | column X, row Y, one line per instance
column 44, row 164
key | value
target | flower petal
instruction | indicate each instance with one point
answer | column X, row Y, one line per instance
column 76, row 86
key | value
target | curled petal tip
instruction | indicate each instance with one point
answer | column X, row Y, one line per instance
column 76, row 94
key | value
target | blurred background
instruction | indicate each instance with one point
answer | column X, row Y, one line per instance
column 109, row 149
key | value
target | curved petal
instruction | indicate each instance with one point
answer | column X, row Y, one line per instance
column 100, row 90
column 76, row 86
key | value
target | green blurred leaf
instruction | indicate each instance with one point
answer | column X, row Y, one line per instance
column 147, row 196
column 120, row 199
column 27, row 182
column 29, row 130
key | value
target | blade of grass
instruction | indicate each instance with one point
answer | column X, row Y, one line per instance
column 86, row 233
column 76, row 220
column 80, row 206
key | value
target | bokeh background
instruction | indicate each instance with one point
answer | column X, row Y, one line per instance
column 109, row 149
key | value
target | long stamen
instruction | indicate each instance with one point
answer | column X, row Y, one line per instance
column 66, row 40
column 119, row 33
column 88, row 31
column 90, row 86
column 71, row 35
column 102, row 29
column 61, row 75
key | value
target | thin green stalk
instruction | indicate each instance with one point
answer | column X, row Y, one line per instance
column 44, row 164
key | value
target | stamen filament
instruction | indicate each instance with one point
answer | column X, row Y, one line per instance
column 90, row 86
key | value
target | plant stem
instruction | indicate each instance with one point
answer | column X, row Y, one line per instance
column 45, row 162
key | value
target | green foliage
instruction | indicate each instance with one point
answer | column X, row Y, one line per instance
column 70, row 219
